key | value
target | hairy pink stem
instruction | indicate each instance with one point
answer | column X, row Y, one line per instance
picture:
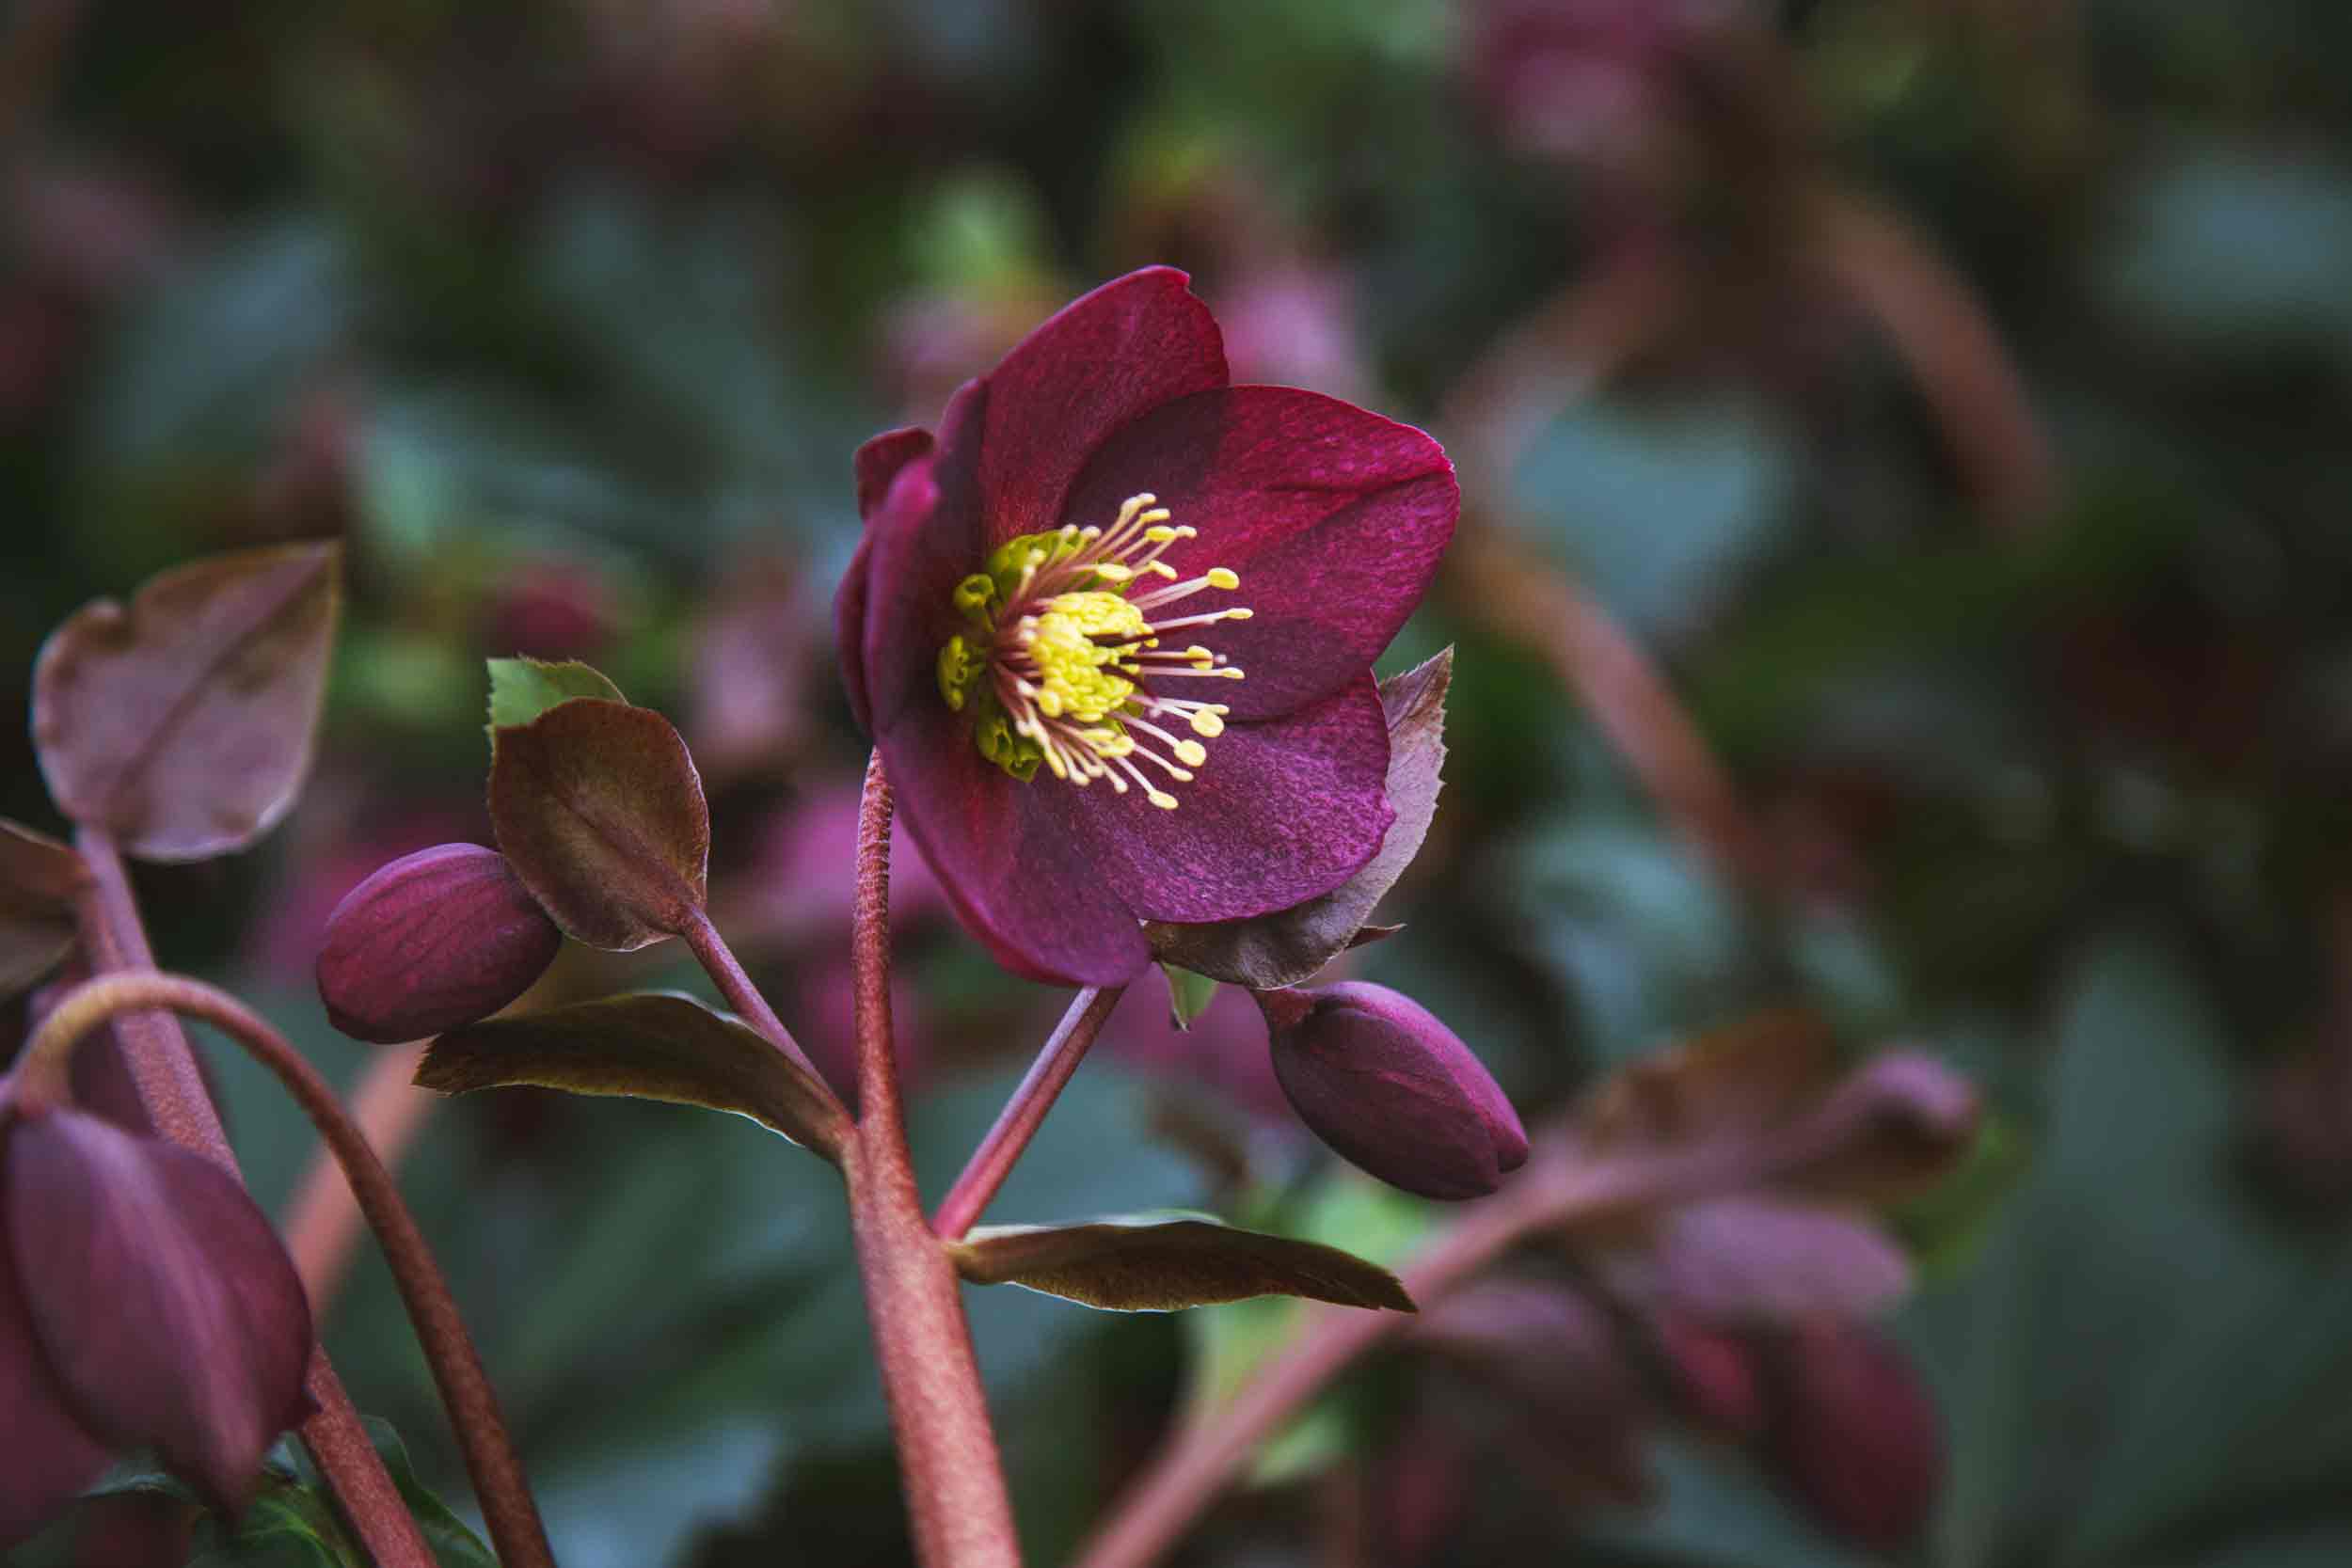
column 955, row 1483
column 171, row 1091
column 1024, row 1113
column 323, row 1221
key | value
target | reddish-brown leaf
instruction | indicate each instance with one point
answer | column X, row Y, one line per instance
column 181, row 724
column 38, row 877
column 600, row 812
column 648, row 1046
column 1159, row 1264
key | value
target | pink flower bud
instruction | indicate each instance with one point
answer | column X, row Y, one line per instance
column 148, row 1303
column 441, row 938
column 1393, row 1090
column 1856, row 1436
column 1713, row 1375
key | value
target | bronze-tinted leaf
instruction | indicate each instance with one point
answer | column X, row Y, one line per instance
column 162, row 1299
column 601, row 813
column 647, row 1046
column 523, row 688
column 1153, row 1263
column 1892, row 1129
column 1283, row 948
column 1739, row 1079
column 182, row 723
column 38, row 877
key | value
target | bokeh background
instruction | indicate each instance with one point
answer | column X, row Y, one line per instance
column 1906, row 573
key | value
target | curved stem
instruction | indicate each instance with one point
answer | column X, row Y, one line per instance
column 954, row 1481
column 323, row 1221
column 1024, row 1113
column 720, row 963
column 506, row 1505
column 171, row 1091
column 1555, row 1190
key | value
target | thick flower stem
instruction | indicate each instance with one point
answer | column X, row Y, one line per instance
column 1024, row 1113
column 1556, row 1189
column 955, row 1484
column 491, row 1462
column 171, row 1091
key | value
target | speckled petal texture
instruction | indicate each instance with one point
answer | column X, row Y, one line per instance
column 1280, row 812
column 1099, row 364
column 1023, row 882
column 1334, row 517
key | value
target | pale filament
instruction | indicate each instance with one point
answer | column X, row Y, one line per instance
column 1080, row 745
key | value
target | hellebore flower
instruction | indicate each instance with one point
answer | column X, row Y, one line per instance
column 433, row 941
column 144, row 1302
column 1393, row 1090
column 1112, row 631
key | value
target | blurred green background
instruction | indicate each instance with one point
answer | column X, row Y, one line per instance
column 1948, row 397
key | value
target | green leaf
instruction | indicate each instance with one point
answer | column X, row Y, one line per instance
column 523, row 688
column 1288, row 947
column 599, row 810
column 1189, row 994
column 652, row 1045
column 2131, row 1361
column 38, row 877
column 1148, row 1264
column 1231, row 1343
column 182, row 723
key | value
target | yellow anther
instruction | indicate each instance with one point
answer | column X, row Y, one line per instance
column 1238, row 614
column 1161, row 534
column 1220, row 577
column 1110, row 571
column 1206, row 724
column 1160, row 797
column 974, row 593
column 1190, row 752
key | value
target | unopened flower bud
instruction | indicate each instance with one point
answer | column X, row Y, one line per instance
column 439, row 938
column 1711, row 1370
column 1393, row 1090
column 1856, row 1435
column 149, row 1303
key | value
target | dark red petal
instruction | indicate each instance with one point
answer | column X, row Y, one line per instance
column 922, row 541
column 164, row 1303
column 1096, row 365
column 1334, row 517
column 46, row 1459
column 1281, row 812
column 878, row 463
column 1019, row 877
column 848, row 632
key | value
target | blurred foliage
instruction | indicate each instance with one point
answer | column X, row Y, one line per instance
column 566, row 317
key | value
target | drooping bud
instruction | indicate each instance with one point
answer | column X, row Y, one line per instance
column 441, row 938
column 161, row 1301
column 1855, row 1435
column 1712, row 1371
column 1392, row 1089
column 51, row 1457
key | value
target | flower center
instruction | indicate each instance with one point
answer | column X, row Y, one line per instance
column 1061, row 643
